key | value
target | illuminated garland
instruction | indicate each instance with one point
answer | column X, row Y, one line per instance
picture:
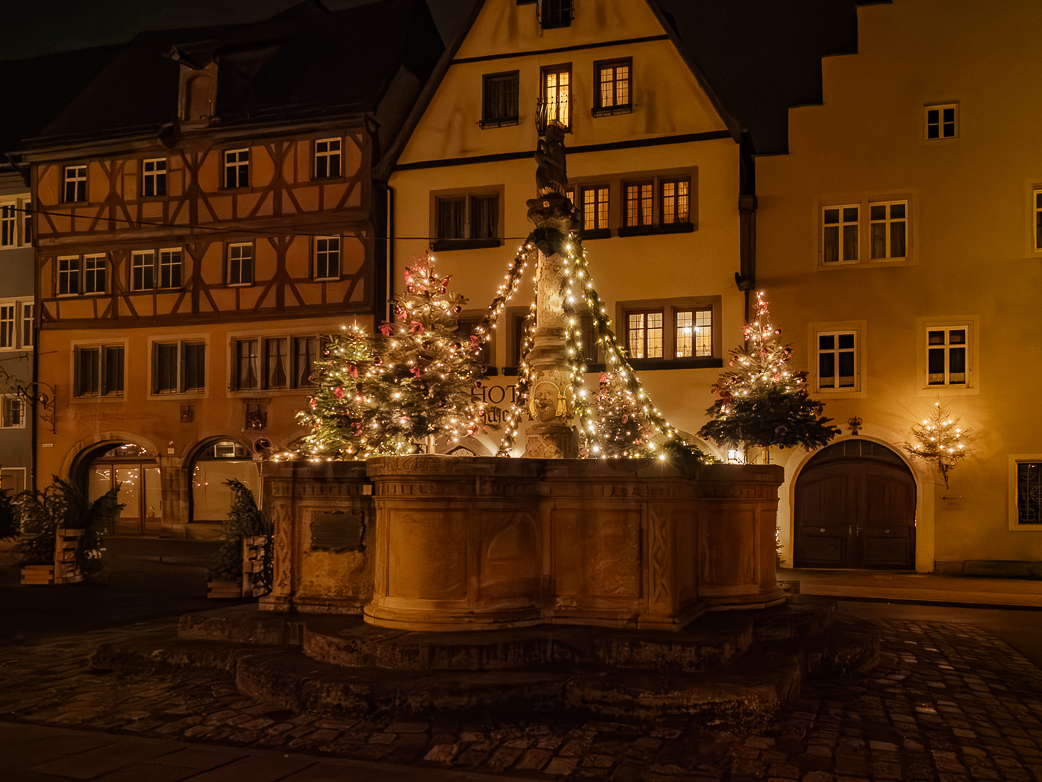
column 939, row 439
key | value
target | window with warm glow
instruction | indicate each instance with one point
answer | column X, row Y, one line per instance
column 594, row 207
column 694, row 332
column 644, row 334
column 613, row 86
column 675, row 333
column 676, row 200
column 557, row 94
column 640, row 209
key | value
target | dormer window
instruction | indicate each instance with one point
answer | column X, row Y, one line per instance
column 555, row 13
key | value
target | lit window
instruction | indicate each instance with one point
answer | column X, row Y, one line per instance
column 595, row 207
column 499, row 99
column 75, row 184
column 644, row 334
column 676, row 201
column 613, row 87
column 837, row 360
column 236, row 168
column 888, row 226
column 153, row 178
column 556, row 94
column 840, row 233
column 942, row 122
column 694, row 333
column 240, row 264
column 327, row 158
column 327, row 257
column 640, row 211
column 947, row 355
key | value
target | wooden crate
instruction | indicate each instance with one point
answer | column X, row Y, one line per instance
column 38, row 574
column 218, row 588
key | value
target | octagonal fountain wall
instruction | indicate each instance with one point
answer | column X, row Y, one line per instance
column 447, row 543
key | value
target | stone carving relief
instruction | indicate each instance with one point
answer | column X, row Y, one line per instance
column 282, row 522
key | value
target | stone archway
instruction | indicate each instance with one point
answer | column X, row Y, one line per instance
column 134, row 470
column 855, row 508
column 206, row 467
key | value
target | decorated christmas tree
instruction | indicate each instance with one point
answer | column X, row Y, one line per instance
column 622, row 431
column 388, row 394
column 762, row 403
column 939, row 439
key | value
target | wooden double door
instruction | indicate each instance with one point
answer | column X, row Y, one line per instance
column 855, row 508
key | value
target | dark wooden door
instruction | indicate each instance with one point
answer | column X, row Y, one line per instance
column 855, row 508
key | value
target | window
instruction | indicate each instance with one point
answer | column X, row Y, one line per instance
column 942, row 121
column 327, row 257
column 265, row 363
column 594, row 207
column 16, row 226
column 888, row 228
column 153, row 178
column 327, row 158
column 556, row 95
column 1037, row 195
column 466, row 220
column 837, row 360
column 639, row 211
column 178, row 367
column 468, row 328
column 68, row 282
column 170, row 268
column 98, row 370
column 947, row 359
column 240, row 264
column 16, row 324
column 142, row 270
column 672, row 333
column 694, row 332
column 95, row 274
column 236, row 168
column 75, row 184
column 675, row 197
column 1025, row 491
column 612, row 84
column 644, row 334
column 12, row 412
column 499, row 93
column 840, row 233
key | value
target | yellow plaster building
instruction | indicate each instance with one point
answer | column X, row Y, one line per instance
column 899, row 246
column 654, row 165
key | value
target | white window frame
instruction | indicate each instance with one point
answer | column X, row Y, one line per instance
column 261, row 368
column 328, row 155
column 13, row 411
column 153, row 171
column 15, row 225
column 1015, row 460
column 841, row 227
column 971, row 323
column 889, row 222
column 859, row 328
column 323, row 252
column 144, row 265
column 182, row 388
column 16, row 331
column 103, row 268
column 68, row 275
column 941, row 123
column 170, row 262
column 236, row 159
column 103, row 391
column 74, row 175
column 235, row 258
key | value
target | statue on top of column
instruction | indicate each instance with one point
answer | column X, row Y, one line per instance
column 551, row 206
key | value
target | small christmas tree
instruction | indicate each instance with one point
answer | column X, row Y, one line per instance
column 939, row 439
column 621, row 430
column 762, row 403
column 382, row 395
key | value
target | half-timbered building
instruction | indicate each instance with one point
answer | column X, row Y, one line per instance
column 205, row 209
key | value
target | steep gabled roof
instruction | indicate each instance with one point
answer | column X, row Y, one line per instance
column 304, row 62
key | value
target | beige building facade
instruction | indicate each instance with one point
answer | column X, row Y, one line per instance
column 654, row 166
column 899, row 247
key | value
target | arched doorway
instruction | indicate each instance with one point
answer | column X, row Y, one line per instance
column 855, row 508
column 137, row 474
column 215, row 463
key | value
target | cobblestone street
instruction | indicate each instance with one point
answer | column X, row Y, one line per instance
column 948, row 702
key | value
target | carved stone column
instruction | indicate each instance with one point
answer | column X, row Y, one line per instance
column 553, row 435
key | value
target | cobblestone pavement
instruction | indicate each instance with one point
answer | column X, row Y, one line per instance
column 948, row 702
